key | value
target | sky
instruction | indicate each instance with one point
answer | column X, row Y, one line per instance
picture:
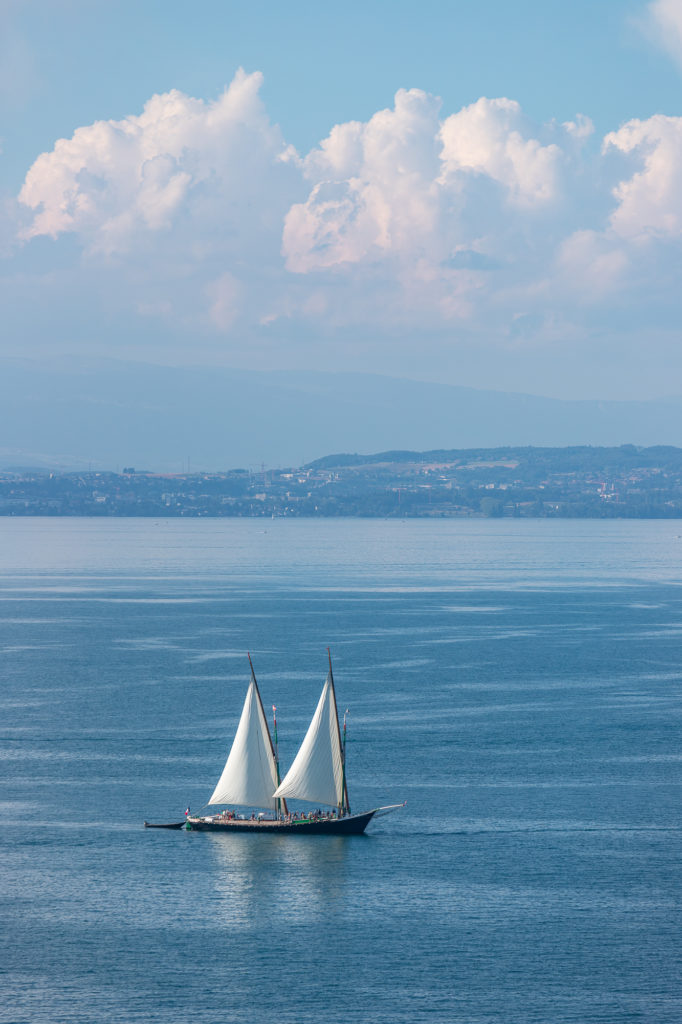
column 483, row 194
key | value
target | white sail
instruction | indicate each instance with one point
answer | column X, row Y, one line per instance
column 250, row 773
column 317, row 772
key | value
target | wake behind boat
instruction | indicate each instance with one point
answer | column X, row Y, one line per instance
column 251, row 777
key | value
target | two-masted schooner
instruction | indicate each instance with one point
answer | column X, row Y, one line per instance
column 251, row 777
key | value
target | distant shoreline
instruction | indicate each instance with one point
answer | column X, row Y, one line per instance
column 580, row 482
column 413, row 517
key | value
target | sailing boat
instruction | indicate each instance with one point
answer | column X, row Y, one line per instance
column 251, row 776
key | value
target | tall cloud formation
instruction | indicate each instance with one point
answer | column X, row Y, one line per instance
column 116, row 179
column 477, row 219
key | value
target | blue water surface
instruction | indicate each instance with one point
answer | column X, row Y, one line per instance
column 517, row 682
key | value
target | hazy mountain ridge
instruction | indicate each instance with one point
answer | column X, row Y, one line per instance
column 73, row 412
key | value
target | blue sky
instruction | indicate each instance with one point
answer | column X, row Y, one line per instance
column 488, row 194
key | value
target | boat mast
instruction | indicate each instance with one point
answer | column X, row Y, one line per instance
column 344, row 807
column 274, row 722
column 280, row 802
column 343, row 759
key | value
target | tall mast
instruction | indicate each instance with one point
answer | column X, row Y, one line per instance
column 280, row 802
column 274, row 722
column 343, row 758
column 345, row 804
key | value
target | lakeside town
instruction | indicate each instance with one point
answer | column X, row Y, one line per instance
column 578, row 482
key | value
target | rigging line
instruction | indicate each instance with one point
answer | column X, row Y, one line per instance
column 194, row 814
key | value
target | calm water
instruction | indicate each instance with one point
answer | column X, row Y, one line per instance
column 518, row 683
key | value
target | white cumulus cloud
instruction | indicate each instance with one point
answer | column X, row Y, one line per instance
column 374, row 193
column 396, row 187
column 435, row 208
column 116, row 179
column 198, row 213
column 489, row 137
column 650, row 200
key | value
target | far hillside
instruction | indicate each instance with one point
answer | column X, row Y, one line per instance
column 527, row 459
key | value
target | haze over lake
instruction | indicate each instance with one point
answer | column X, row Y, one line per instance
column 517, row 682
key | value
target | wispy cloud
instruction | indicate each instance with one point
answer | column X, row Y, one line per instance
column 662, row 23
column 19, row 73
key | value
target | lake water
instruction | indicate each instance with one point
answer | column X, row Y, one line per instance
column 519, row 683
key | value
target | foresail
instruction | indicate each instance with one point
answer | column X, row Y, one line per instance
column 250, row 774
column 317, row 772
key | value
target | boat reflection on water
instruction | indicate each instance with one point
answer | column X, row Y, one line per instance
column 302, row 878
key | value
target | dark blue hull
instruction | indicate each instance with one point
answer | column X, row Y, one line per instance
column 353, row 824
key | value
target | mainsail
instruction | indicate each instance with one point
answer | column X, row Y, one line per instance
column 250, row 774
column 317, row 774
